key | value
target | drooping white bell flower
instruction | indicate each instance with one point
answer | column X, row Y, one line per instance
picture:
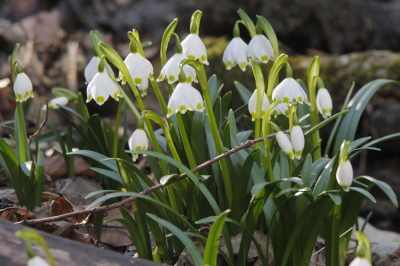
column 290, row 92
column 171, row 70
column 91, row 68
column 139, row 142
column 281, row 109
column 285, row 144
column 101, row 87
column 37, row 261
column 360, row 262
column 253, row 103
column 235, row 54
column 260, row 49
column 56, row 102
column 23, row 88
column 194, row 48
column 141, row 71
column 183, row 98
column 344, row 175
column 297, row 140
column 324, row 103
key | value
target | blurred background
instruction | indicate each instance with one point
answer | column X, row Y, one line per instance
column 357, row 40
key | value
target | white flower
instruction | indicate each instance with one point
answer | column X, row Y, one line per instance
column 324, row 103
column 138, row 141
column 260, row 49
column 235, row 54
column 344, row 175
column 290, row 91
column 281, row 109
column 285, row 144
column 92, row 68
column 194, row 48
column 183, row 98
column 22, row 87
column 101, row 87
column 360, row 262
column 171, row 70
column 37, row 261
column 56, row 102
column 297, row 140
column 141, row 71
column 253, row 102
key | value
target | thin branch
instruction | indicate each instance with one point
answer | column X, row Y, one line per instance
column 31, row 137
column 242, row 146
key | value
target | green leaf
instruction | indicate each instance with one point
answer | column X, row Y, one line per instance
column 384, row 187
column 111, row 174
column 349, row 123
column 211, row 249
column 247, row 22
column 190, row 246
column 323, row 123
column 97, row 157
column 21, row 140
column 244, row 93
column 39, row 177
column 63, row 92
column 365, row 193
column 10, row 164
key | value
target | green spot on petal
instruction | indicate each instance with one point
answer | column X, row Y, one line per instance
column 300, row 99
column 290, row 155
column 189, row 79
column 285, row 100
column 160, row 77
column 264, row 58
column 138, row 148
column 199, row 106
column 138, row 81
column 203, row 58
column 191, row 57
column 100, row 99
column 243, row 65
column 229, row 64
column 171, row 78
column 182, row 108
column 298, row 154
column 253, row 116
column 151, row 76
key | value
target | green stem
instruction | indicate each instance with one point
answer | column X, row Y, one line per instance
column 20, row 137
column 116, row 129
column 12, row 61
column 160, row 99
column 313, row 73
column 201, row 74
column 185, row 140
column 258, row 76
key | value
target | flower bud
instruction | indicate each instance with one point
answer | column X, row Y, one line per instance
column 344, row 175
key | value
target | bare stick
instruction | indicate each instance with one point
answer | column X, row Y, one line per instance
column 242, row 146
column 41, row 125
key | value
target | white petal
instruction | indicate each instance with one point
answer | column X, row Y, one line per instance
column 184, row 98
column 101, row 87
column 360, row 262
column 171, row 69
column 260, row 49
column 344, row 175
column 140, row 70
column 138, row 141
column 235, row 54
column 324, row 103
column 22, row 87
column 194, row 48
column 285, row 144
column 92, row 68
column 297, row 140
column 290, row 91
column 253, row 102
column 54, row 103
column 37, row 261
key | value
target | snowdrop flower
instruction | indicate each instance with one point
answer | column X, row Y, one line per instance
column 253, row 102
column 260, row 49
column 344, row 175
column 285, row 144
column 138, row 141
column 344, row 172
column 56, row 102
column 194, row 48
column 171, row 70
column 183, row 98
column 281, row 109
column 91, row 68
column 37, row 261
column 324, row 103
column 141, row 71
column 235, row 54
column 101, row 87
column 22, row 87
column 297, row 140
column 290, row 92
column 360, row 262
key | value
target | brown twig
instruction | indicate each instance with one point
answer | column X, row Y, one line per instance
column 31, row 137
column 242, row 146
